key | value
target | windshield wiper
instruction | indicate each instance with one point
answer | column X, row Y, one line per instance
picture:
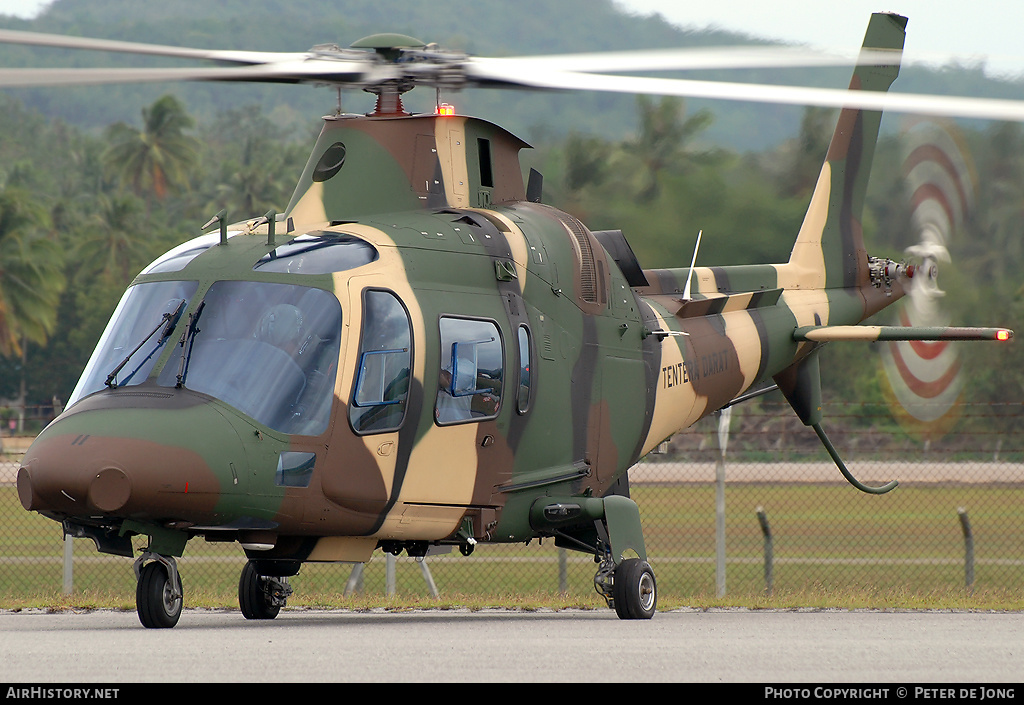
column 169, row 320
column 188, row 338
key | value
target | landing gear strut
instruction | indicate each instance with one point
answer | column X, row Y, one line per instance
column 158, row 593
column 261, row 596
column 609, row 527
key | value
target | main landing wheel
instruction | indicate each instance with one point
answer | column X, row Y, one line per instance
column 158, row 597
column 634, row 591
column 260, row 596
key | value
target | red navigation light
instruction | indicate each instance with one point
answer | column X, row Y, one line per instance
column 1003, row 334
column 444, row 109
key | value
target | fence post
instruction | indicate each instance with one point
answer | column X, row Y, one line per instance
column 563, row 572
column 724, row 416
column 69, row 577
column 769, row 554
column 965, row 525
column 389, row 574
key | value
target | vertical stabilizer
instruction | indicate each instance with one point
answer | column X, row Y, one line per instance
column 829, row 250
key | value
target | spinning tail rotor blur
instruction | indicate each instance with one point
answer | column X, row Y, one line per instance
column 926, row 379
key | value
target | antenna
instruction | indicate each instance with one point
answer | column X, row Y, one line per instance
column 689, row 275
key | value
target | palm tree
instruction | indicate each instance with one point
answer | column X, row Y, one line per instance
column 31, row 272
column 586, row 161
column 31, row 278
column 256, row 181
column 156, row 158
column 250, row 163
column 111, row 243
column 664, row 139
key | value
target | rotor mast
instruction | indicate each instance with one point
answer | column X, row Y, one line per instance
column 389, row 47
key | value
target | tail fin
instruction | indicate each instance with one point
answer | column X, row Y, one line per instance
column 829, row 249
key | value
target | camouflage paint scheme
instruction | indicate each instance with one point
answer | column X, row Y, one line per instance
column 618, row 361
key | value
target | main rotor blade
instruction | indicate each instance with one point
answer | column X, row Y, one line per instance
column 60, row 41
column 613, row 62
column 703, row 58
column 491, row 73
column 565, row 72
column 309, row 71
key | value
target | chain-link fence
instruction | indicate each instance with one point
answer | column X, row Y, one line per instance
column 770, row 513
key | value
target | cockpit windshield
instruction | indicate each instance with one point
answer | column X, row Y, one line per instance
column 269, row 350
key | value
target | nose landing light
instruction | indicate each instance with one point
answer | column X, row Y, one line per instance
column 109, row 490
column 25, row 494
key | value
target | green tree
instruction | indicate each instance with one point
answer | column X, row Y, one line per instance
column 250, row 164
column 157, row 158
column 808, row 151
column 1002, row 202
column 31, row 271
column 112, row 242
column 665, row 140
column 31, row 278
column 253, row 185
column 586, row 161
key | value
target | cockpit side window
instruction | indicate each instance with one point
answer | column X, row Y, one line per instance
column 143, row 324
column 385, row 359
column 472, row 367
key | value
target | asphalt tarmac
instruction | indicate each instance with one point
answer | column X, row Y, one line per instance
column 886, row 649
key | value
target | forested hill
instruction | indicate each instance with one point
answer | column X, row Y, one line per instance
column 480, row 27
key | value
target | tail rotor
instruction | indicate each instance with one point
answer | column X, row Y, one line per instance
column 925, row 377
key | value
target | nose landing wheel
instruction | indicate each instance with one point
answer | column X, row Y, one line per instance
column 158, row 593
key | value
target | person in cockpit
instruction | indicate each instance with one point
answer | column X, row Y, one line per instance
column 281, row 326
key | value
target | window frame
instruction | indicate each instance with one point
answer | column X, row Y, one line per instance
column 360, row 365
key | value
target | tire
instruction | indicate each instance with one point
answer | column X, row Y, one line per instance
column 155, row 601
column 252, row 595
column 634, row 590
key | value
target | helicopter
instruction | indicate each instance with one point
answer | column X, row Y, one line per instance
column 419, row 354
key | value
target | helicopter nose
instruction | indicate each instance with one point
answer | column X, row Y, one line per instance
column 60, row 474
column 173, row 463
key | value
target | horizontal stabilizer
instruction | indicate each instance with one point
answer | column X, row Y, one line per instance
column 824, row 334
column 715, row 304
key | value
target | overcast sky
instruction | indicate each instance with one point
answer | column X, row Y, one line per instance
column 937, row 28
column 975, row 30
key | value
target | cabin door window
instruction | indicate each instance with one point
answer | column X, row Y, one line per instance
column 471, row 375
column 385, row 358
